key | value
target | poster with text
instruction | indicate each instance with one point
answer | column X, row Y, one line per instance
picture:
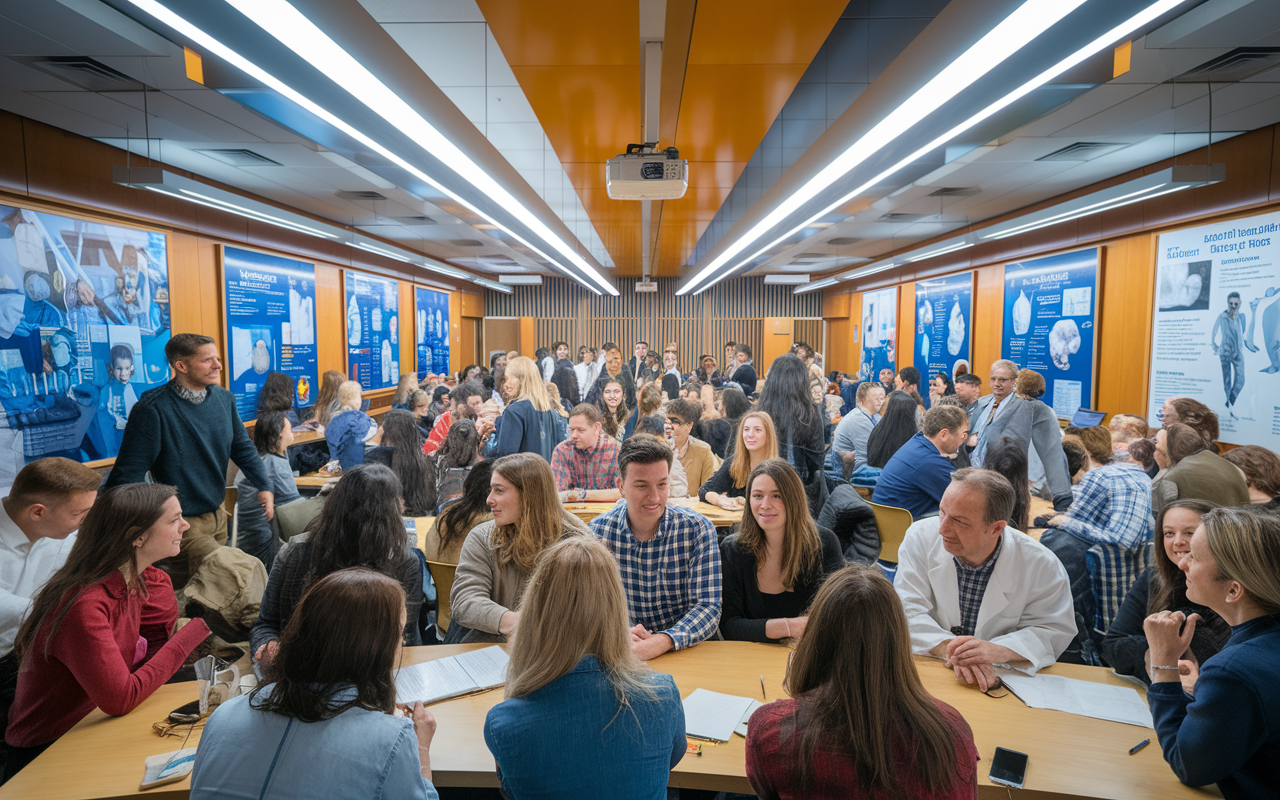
column 84, row 318
column 944, row 316
column 879, row 332
column 1215, row 333
column 432, row 329
column 373, row 330
column 271, row 325
column 1050, row 312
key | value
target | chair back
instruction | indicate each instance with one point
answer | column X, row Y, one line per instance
column 442, row 575
column 892, row 523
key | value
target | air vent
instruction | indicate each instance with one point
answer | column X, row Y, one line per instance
column 840, row 241
column 464, row 243
column 1081, row 151
column 1237, row 65
column 955, row 191
column 899, row 217
column 361, row 196
column 241, row 158
column 810, row 256
column 414, row 220
column 85, row 72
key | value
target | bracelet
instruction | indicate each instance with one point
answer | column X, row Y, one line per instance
column 1170, row 669
column 787, row 622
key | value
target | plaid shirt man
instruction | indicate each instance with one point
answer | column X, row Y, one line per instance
column 1112, row 506
column 592, row 469
column 672, row 581
column 973, row 586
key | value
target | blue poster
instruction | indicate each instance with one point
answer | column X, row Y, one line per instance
column 373, row 330
column 1049, row 307
column 271, row 325
column 879, row 332
column 944, row 317
column 84, row 318
column 432, row 330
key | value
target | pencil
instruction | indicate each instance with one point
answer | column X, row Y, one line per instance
column 762, row 694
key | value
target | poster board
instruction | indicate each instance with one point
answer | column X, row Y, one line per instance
column 1050, row 317
column 879, row 332
column 431, row 327
column 269, row 303
column 1201, row 346
column 373, row 330
column 944, row 326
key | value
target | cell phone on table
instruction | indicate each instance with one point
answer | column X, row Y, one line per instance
column 185, row 714
column 1009, row 768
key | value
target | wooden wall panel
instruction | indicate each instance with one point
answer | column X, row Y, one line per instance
column 904, row 349
column 331, row 343
column 408, row 336
column 13, row 169
column 988, row 319
column 1124, row 325
column 778, row 334
column 809, row 331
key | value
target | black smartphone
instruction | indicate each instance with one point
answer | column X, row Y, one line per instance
column 1009, row 767
column 186, row 713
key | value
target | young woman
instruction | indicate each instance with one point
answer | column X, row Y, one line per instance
column 1230, row 733
column 272, row 435
column 940, row 385
column 1163, row 587
column 444, row 538
column 439, row 401
column 897, row 425
column 360, row 525
column 100, row 632
column 1194, row 471
column 419, row 404
column 408, row 385
column 401, row 450
column 530, row 423
column 350, row 428
column 756, row 442
column 619, row 726
column 859, row 723
column 775, row 563
column 613, row 407
column 800, row 423
column 457, row 456
column 672, row 378
column 470, row 373
column 498, row 556
column 327, row 399
column 326, row 723
column 276, row 394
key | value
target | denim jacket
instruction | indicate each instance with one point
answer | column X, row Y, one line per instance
column 570, row 739
column 249, row 753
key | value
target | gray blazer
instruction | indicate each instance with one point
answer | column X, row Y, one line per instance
column 1034, row 424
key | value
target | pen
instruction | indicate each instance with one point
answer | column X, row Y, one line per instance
column 1139, row 746
column 762, row 694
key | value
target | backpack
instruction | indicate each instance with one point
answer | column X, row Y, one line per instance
column 449, row 482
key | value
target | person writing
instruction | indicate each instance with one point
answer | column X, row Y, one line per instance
column 586, row 464
column 756, row 443
column 920, row 472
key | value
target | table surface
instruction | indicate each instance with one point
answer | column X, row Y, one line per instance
column 718, row 516
column 1070, row 756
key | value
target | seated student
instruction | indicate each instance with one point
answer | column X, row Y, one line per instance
column 716, row 431
column 1229, row 733
column 325, row 724
column 614, row 413
column 498, row 556
column 667, row 554
column 586, row 464
column 277, row 394
column 1163, row 587
column 918, row 474
column 744, row 371
column 756, row 442
column 859, row 723
column 407, row 386
column 1261, row 469
column 652, row 425
column 897, row 425
column 327, row 398
column 1008, row 456
column 619, row 726
column 401, row 450
column 439, row 402
column 350, row 428
column 1194, row 471
column 978, row 592
column 530, row 424
column 100, row 632
column 693, row 454
column 849, row 442
column 774, row 565
column 458, row 454
column 360, row 525
column 649, row 400
column 448, row 531
column 1125, row 429
column 419, row 404
column 465, row 403
column 272, row 435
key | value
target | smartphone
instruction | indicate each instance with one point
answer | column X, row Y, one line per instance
column 1009, row 767
column 185, row 714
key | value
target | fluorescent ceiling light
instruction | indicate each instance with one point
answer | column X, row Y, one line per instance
column 520, row 280
column 946, row 85
column 497, row 287
column 786, row 279
column 822, row 284
column 941, row 251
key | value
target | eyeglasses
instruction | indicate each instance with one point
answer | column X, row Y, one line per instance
column 1002, row 380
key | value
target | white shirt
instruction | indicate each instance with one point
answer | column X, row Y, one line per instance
column 24, row 570
column 587, row 374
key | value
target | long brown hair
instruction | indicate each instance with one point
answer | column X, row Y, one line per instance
column 344, row 632
column 1168, row 583
column 104, row 545
column 360, row 525
column 801, row 547
column 1245, row 543
column 740, row 467
column 543, row 520
column 328, row 397
column 858, row 693
column 613, row 422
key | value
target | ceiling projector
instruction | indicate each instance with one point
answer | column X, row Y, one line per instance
column 642, row 174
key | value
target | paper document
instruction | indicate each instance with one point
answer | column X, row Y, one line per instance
column 433, row 681
column 714, row 716
column 1086, row 698
column 741, row 730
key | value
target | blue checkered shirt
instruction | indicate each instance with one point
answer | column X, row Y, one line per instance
column 673, row 581
column 1112, row 506
column 973, row 585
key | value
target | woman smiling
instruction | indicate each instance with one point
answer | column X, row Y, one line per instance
column 756, row 442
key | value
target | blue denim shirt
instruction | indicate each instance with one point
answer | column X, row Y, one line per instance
column 570, row 739
column 249, row 753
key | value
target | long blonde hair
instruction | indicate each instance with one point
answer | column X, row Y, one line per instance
column 349, row 395
column 327, row 400
column 405, row 389
column 543, row 520
column 529, row 383
column 574, row 606
column 801, row 547
column 740, row 468
column 1245, row 543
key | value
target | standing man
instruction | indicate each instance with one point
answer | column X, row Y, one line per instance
column 1231, row 323
column 745, row 372
column 637, row 366
column 849, row 442
column 918, row 474
column 184, row 433
column 587, row 370
column 968, row 389
column 586, row 464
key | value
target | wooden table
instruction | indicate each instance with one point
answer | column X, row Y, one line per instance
column 718, row 516
column 1070, row 756
column 1039, row 506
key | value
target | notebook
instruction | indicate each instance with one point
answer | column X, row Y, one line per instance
column 465, row 673
column 1085, row 698
column 715, row 716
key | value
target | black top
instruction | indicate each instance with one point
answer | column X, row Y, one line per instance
column 715, row 432
column 746, row 609
column 745, row 376
column 1125, row 646
column 722, row 482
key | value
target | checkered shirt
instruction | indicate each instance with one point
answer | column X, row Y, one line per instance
column 596, row 468
column 673, row 581
column 1113, row 506
column 973, row 585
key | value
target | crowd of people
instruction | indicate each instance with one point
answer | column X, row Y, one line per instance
column 1160, row 559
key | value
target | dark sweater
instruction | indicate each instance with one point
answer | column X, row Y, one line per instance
column 746, row 609
column 715, row 432
column 745, row 376
column 1125, row 647
column 188, row 446
column 528, row 430
column 914, row 478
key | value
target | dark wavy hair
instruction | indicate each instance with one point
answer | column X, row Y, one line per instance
column 412, row 466
column 360, row 525
column 896, row 426
column 276, row 393
column 453, row 522
column 787, row 399
column 461, row 445
column 1009, row 458
column 267, row 431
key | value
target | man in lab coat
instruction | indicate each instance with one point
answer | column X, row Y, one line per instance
column 977, row 592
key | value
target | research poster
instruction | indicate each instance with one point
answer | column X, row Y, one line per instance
column 432, row 329
column 84, row 318
column 270, row 307
column 1050, row 313
column 944, row 316
column 373, row 330
column 1215, row 332
column 879, row 331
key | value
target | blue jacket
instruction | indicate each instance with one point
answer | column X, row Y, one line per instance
column 571, row 740
column 246, row 753
column 1230, row 733
column 528, row 430
column 914, row 478
column 346, row 434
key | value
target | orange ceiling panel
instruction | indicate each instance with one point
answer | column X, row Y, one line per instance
column 761, row 31
column 589, row 113
column 582, row 32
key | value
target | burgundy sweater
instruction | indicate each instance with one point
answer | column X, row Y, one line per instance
column 112, row 650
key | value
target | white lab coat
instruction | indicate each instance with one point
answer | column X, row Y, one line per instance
column 1027, row 606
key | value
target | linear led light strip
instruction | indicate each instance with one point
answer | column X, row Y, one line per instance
column 180, row 24
column 940, row 252
column 1096, row 208
column 209, row 202
column 1141, row 18
column 822, row 284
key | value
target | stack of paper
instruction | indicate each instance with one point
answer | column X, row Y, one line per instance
column 433, row 681
column 1085, row 698
column 716, row 716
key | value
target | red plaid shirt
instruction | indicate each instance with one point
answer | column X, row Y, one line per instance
column 592, row 469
